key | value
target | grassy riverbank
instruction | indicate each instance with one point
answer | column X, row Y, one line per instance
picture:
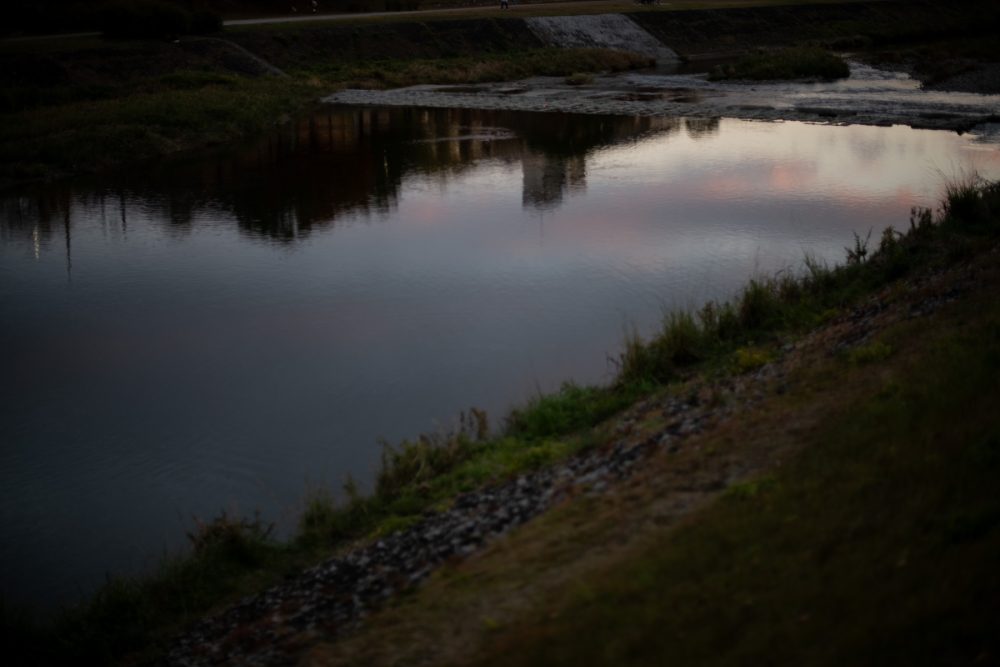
column 187, row 110
column 875, row 546
column 845, row 454
column 47, row 131
column 867, row 534
column 83, row 104
column 179, row 113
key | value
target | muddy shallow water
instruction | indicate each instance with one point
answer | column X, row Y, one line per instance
column 223, row 332
column 870, row 96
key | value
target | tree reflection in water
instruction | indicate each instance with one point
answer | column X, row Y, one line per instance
column 337, row 162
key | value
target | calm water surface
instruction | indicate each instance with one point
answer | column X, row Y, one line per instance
column 224, row 333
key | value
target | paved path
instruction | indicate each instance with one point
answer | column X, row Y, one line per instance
column 568, row 7
column 514, row 6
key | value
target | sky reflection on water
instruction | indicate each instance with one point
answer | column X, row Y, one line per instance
column 217, row 333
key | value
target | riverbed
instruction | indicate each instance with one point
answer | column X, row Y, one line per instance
column 869, row 96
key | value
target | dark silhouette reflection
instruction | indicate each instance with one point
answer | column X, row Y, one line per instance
column 546, row 178
column 335, row 164
column 700, row 128
column 556, row 145
column 38, row 218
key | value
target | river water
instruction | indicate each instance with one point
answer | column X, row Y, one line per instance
column 225, row 333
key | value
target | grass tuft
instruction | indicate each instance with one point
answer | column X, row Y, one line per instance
column 870, row 353
column 769, row 305
column 751, row 358
column 782, row 64
column 972, row 204
column 231, row 538
column 570, row 409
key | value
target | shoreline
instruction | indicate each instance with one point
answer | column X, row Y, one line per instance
column 84, row 105
column 433, row 507
column 878, row 97
column 332, row 601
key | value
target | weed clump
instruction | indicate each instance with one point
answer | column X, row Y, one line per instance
column 751, row 358
column 318, row 517
column 971, row 208
column 972, row 204
column 418, row 462
column 229, row 538
column 570, row 409
column 870, row 353
column 783, row 64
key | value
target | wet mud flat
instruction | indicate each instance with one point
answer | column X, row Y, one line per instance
column 870, row 96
